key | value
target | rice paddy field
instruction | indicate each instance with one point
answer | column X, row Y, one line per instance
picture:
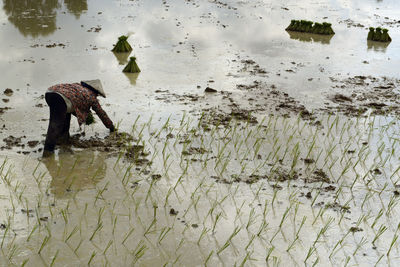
column 238, row 143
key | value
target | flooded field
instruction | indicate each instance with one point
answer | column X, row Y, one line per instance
column 238, row 143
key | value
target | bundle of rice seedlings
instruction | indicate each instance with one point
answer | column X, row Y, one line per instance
column 310, row 27
column 371, row 34
column 291, row 26
column 122, row 45
column 296, row 26
column 327, row 28
column 385, row 36
column 317, row 28
column 303, row 26
column 378, row 34
column 90, row 119
column 132, row 67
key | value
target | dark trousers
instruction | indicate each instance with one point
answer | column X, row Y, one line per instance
column 58, row 131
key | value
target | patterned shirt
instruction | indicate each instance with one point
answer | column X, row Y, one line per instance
column 82, row 100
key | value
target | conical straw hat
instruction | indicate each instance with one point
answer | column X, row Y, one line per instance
column 94, row 85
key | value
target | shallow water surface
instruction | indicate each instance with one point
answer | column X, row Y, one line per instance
column 193, row 187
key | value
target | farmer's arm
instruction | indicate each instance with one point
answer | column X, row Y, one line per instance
column 103, row 116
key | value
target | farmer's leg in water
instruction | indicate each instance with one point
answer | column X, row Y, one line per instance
column 64, row 138
column 57, row 123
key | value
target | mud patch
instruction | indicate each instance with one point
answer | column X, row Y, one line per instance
column 338, row 207
column 265, row 96
column 137, row 154
column 8, row 92
column 185, row 99
column 194, row 150
column 252, row 67
column 363, row 93
column 33, row 143
column 339, row 98
column 113, row 142
column 12, row 141
column 2, row 110
column 281, row 175
column 351, row 23
column 217, row 117
column 317, row 177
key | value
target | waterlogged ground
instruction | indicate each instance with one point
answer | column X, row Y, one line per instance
column 292, row 161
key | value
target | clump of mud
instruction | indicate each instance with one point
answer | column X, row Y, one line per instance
column 113, row 141
column 2, row 110
column 217, row 117
column 194, row 150
column 317, row 176
column 137, row 154
column 8, row 92
column 252, row 67
column 12, row 141
column 282, row 175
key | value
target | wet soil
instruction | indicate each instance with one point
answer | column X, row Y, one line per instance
column 111, row 143
column 282, row 174
column 359, row 94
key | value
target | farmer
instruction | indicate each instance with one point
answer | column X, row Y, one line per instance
column 76, row 99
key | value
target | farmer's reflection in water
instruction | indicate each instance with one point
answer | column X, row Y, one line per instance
column 76, row 171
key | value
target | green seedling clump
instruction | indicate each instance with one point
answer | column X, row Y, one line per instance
column 291, row 26
column 90, row 119
column 327, row 28
column 122, row 45
column 378, row 35
column 371, row 33
column 310, row 27
column 132, row 67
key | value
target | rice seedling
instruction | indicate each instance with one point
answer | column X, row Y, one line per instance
column 54, row 258
column 208, row 258
column 310, row 252
column 44, row 242
column 96, row 230
column 228, row 241
column 128, row 234
column 210, row 190
column 380, row 231
column 394, row 240
column 91, row 257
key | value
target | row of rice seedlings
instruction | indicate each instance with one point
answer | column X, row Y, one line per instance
column 225, row 145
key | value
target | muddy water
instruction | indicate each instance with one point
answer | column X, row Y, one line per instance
column 87, row 203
